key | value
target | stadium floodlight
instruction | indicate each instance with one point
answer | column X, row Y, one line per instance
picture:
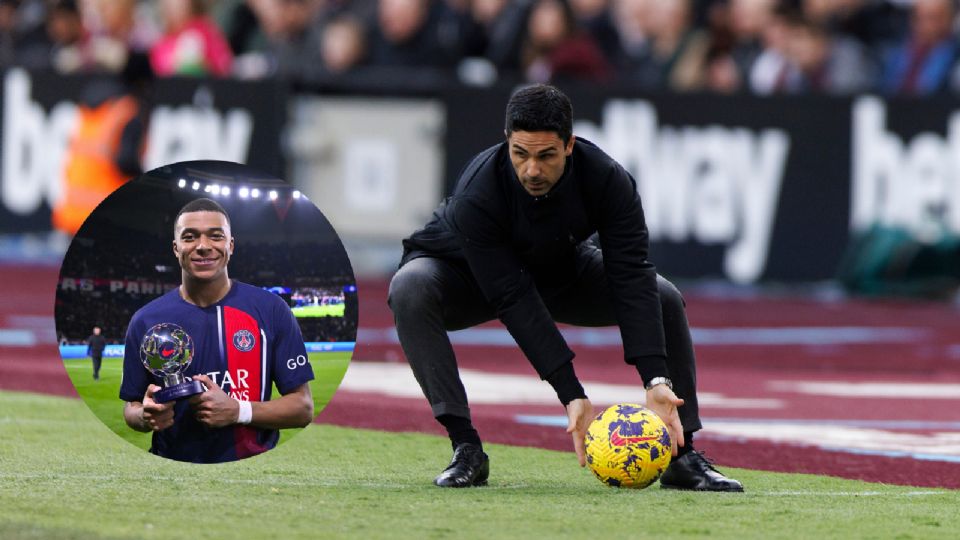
column 225, row 191
column 296, row 194
column 182, row 183
column 196, row 185
column 243, row 192
column 215, row 189
column 273, row 194
column 255, row 193
column 207, row 188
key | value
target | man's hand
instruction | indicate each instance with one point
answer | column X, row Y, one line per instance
column 155, row 416
column 580, row 414
column 662, row 400
column 214, row 408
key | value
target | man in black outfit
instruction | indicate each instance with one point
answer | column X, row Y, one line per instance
column 540, row 228
column 95, row 345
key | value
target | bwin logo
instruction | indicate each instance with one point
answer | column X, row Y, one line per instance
column 911, row 184
column 34, row 143
column 714, row 184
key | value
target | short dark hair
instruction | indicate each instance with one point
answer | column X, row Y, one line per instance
column 540, row 107
column 201, row 205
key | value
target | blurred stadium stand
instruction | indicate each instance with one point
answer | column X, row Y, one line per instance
column 773, row 140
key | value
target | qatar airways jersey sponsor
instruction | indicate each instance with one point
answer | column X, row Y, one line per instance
column 242, row 343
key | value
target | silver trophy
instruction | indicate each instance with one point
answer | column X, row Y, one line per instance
column 166, row 351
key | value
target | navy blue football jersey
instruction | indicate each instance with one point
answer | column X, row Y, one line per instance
column 244, row 342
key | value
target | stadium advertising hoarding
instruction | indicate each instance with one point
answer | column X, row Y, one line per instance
column 184, row 119
column 751, row 189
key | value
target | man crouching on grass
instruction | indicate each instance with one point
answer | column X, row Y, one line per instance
column 544, row 227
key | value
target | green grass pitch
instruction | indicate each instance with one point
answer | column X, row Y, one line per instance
column 102, row 396
column 313, row 310
column 64, row 475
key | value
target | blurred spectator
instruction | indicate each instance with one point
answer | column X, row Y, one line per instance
column 8, row 28
column 769, row 71
column 192, row 44
column 494, row 31
column 748, row 18
column 594, row 17
column 66, row 31
column 871, row 22
column 722, row 72
column 632, row 23
column 414, row 33
column 343, row 45
column 116, row 34
column 557, row 49
column 921, row 63
column 675, row 53
column 822, row 63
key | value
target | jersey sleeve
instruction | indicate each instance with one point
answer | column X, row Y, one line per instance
column 290, row 365
column 135, row 377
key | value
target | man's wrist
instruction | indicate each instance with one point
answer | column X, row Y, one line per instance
column 565, row 383
column 656, row 381
column 650, row 367
column 244, row 412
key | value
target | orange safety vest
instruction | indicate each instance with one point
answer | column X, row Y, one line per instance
column 90, row 172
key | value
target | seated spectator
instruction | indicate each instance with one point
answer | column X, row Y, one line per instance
column 557, row 49
column 595, row 18
column 746, row 19
column 343, row 46
column 822, row 63
column 116, row 35
column 675, row 55
column 192, row 44
column 769, row 71
column 921, row 64
column 494, row 31
column 411, row 33
column 632, row 19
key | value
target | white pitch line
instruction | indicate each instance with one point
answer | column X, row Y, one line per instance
column 883, row 390
column 396, row 380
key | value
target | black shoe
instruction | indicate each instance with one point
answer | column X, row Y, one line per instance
column 469, row 467
column 692, row 471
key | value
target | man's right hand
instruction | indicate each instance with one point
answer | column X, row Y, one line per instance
column 156, row 416
column 662, row 401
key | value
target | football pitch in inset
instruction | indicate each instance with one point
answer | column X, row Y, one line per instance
column 101, row 395
column 61, row 476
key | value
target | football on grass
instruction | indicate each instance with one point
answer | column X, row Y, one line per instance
column 628, row 445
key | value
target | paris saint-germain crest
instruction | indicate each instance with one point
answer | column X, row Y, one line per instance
column 243, row 340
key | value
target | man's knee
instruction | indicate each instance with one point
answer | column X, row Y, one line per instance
column 411, row 289
column 670, row 297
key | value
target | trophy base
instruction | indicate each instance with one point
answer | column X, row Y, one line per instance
column 178, row 391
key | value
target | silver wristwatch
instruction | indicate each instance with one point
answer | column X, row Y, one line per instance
column 659, row 380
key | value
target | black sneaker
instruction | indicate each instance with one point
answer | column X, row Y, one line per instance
column 694, row 472
column 469, row 467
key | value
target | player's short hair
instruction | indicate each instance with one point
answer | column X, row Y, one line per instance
column 540, row 107
column 200, row 205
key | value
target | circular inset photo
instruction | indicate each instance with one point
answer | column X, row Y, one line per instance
column 206, row 312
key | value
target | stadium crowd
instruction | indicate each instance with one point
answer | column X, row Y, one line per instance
column 903, row 47
column 147, row 259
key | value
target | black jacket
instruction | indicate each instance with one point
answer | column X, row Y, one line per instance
column 522, row 248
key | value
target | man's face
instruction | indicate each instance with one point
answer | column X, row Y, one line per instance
column 96, row 330
column 203, row 245
column 538, row 158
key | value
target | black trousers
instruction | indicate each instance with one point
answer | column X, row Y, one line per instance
column 431, row 296
column 96, row 366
